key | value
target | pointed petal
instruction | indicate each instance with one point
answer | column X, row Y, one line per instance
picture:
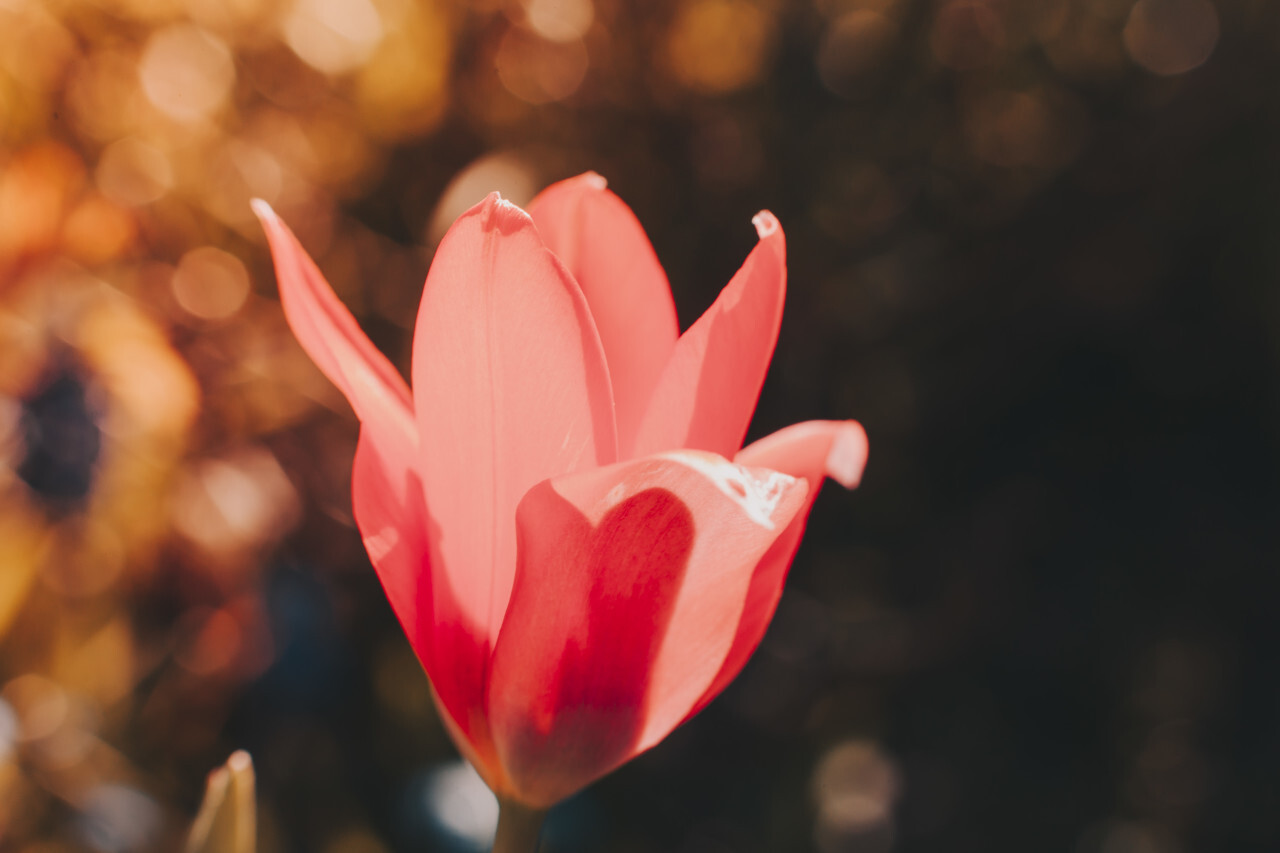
column 386, row 496
column 631, row 584
column 227, row 821
column 709, row 388
column 510, row 388
column 333, row 339
column 601, row 242
column 813, row 450
column 386, row 499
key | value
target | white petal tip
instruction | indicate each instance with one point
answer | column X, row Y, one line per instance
column 496, row 210
column 595, row 180
column 262, row 209
column 766, row 224
column 848, row 455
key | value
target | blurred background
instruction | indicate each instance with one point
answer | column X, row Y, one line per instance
column 1033, row 248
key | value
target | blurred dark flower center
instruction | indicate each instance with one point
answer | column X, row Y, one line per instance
column 62, row 439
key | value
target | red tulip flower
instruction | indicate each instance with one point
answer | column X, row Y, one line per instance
column 561, row 512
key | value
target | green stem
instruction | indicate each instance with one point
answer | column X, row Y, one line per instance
column 518, row 828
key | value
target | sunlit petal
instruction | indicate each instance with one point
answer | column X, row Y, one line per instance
column 510, row 388
column 333, row 339
column 709, row 387
column 631, row 582
column 813, row 450
column 602, row 243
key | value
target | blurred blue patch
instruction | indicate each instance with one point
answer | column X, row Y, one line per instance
column 314, row 668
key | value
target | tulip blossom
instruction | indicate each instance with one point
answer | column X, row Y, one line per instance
column 560, row 509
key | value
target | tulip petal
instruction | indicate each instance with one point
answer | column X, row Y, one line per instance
column 813, row 450
column 599, row 239
column 631, row 583
column 387, row 501
column 709, row 388
column 510, row 387
column 333, row 339
column 387, row 495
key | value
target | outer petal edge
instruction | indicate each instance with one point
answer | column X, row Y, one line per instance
column 709, row 388
column 510, row 387
column 600, row 241
column 813, row 450
column 333, row 339
column 631, row 582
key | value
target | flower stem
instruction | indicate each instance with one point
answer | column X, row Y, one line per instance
column 518, row 828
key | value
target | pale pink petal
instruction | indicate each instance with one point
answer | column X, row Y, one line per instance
column 510, row 387
column 813, row 450
column 387, row 500
column 333, row 339
column 709, row 387
column 601, row 242
column 387, row 496
column 631, row 583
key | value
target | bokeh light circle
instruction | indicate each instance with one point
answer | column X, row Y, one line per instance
column 1170, row 37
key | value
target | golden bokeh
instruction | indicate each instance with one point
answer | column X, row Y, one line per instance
column 717, row 46
column 538, row 70
column 186, row 72
column 177, row 546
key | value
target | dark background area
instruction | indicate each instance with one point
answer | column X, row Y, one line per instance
column 1031, row 248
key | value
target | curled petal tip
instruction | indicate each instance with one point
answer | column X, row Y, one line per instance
column 848, row 455
column 495, row 213
column 595, row 180
column 766, row 224
column 262, row 210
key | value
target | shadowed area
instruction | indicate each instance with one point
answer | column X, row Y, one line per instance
column 1031, row 247
column 576, row 651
